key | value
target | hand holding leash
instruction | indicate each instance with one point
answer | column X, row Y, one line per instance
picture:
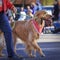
column 14, row 10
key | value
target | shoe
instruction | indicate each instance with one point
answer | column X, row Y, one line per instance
column 16, row 57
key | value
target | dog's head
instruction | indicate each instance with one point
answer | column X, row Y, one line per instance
column 42, row 15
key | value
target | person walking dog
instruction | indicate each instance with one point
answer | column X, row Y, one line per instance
column 5, row 26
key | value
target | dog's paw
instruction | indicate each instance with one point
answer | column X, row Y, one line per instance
column 43, row 55
column 32, row 56
column 2, row 55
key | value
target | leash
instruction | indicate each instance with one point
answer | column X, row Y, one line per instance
column 28, row 15
column 33, row 18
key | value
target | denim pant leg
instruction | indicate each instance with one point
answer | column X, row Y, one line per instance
column 5, row 27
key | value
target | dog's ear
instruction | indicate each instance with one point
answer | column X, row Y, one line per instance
column 40, row 14
column 49, row 16
column 37, row 13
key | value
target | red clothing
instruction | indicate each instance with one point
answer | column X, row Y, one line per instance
column 0, row 9
column 37, row 27
column 7, row 5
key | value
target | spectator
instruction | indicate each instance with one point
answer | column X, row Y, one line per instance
column 59, row 10
column 55, row 2
column 29, row 14
column 29, row 8
column 57, row 17
column 17, row 15
column 39, row 6
column 56, row 11
column 22, row 14
column 34, row 7
column 10, row 15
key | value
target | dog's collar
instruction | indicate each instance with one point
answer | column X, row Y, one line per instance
column 36, row 26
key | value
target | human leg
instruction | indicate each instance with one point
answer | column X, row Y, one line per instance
column 5, row 27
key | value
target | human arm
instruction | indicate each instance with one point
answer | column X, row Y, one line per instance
column 11, row 6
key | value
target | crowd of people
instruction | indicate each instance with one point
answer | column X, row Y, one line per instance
column 26, row 13
column 31, row 10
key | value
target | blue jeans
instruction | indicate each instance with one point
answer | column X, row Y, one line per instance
column 6, row 29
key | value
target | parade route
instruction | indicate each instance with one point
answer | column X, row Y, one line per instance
column 51, row 50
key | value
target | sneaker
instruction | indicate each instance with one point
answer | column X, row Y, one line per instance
column 16, row 57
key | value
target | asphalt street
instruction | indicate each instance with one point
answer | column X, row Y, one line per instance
column 51, row 50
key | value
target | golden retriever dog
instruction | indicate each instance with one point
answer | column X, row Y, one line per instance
column 29, row 32
column 26, row 31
